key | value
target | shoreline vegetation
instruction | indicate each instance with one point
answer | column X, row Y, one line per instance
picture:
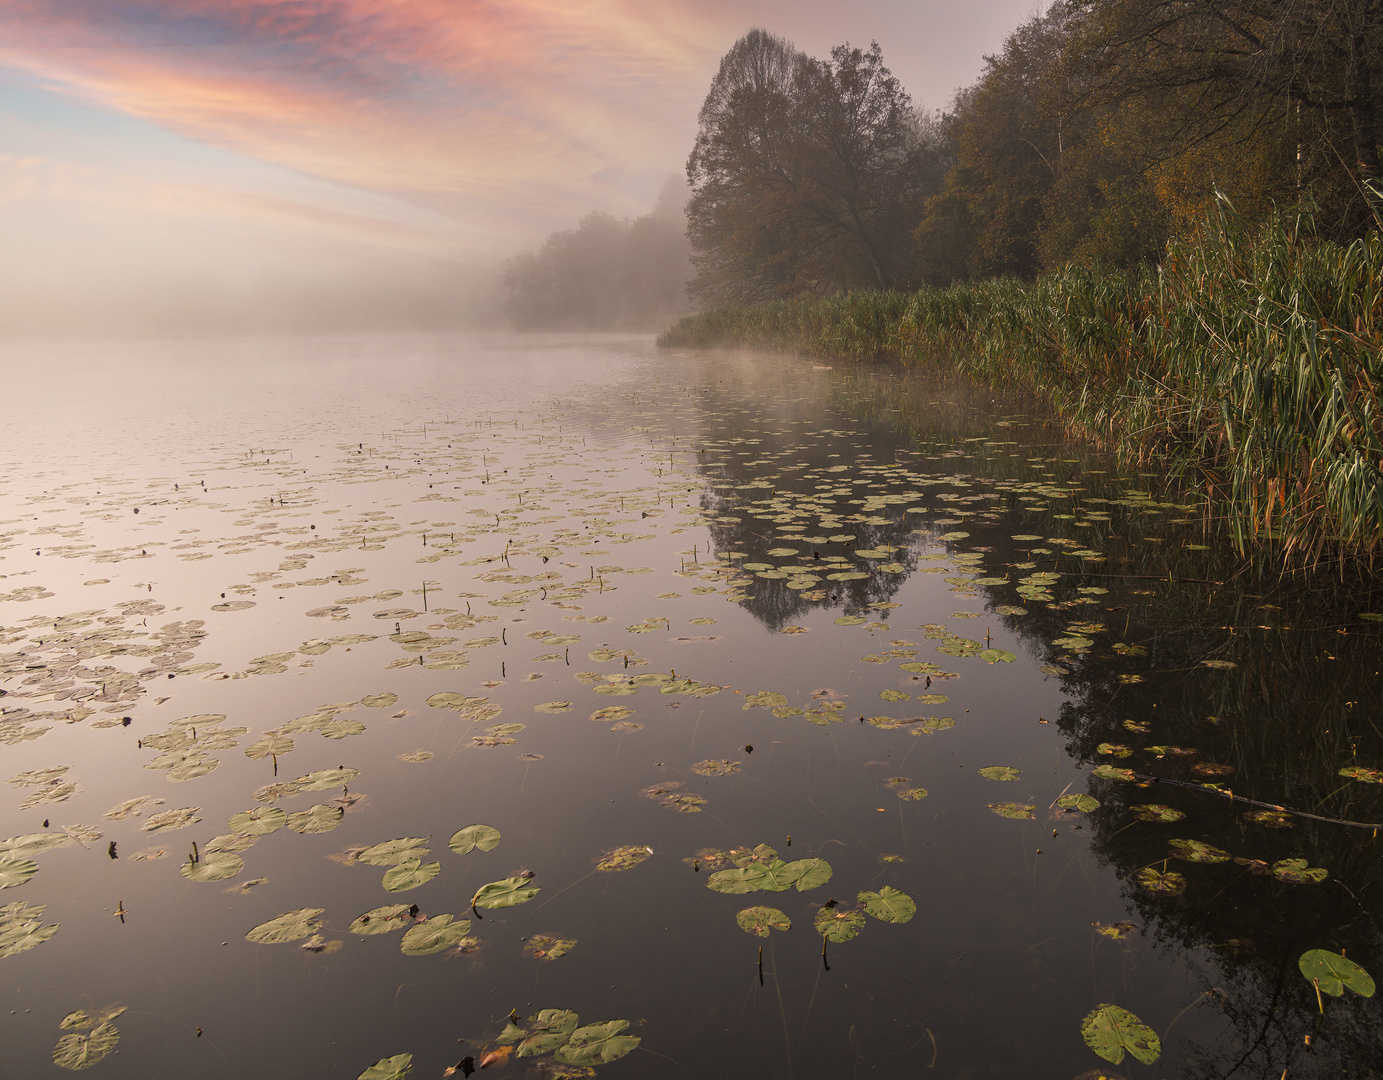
column 1247, row 365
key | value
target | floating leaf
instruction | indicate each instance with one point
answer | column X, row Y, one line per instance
column 1118, row 931
column 15, row 872
column 548, row 947
column 1333, row 973
column 838, row 926
column 759, row 920
column 82, row 1050
column 318, row 819
column 1292, row 871
column 393, row 852
column 1169, row 884
column 173, row 819
column 382, row 920
column 716, row 768
column 1156, row 812
column 1109, row 772
column 1086, row 804
column 505, row 893
column 474, row 837
column 547, row 1031
column 997, row 656
column 213, row 866
column 290, row 926
column 30, row 845
column 596, row 1044
column 270, row 744
column 390, row 1068
column 911, row 794
column 409, row 874
column 1017, row 811
column 553, row 707
column 895, row 695
column 1110, row 1031
column 1001, row 772
column 433, row 935
column 1197, row 851
column 1358, row 772
column 775, row 876
column 326, row 779
column 379, row 701
column 622, row 858
column 260, row 821
column 888, row 905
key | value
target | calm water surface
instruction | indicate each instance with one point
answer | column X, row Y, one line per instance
column 683, row 629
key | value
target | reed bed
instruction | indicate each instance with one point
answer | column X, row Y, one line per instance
column 1247, row 364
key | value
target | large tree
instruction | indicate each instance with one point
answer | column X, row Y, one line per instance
column 807, row 175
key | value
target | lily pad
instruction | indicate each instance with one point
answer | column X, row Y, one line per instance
column 622, row 858
column 393, row 852
column 1111, row 1031
column 1086, row 804
column 382, row 920
column 1292, row 871
column 290, row 926
column 473, row 838
column 1334, row 973
column 888, row 905
column 379, row 701
column 759, row 920
column 1156, row 812
column 1109, row 772
column 317, row 819
column 1358, row 772
column 1154, row 881
column 15, row 872
column 838, row 926
column 548, row 947
column 547, row 1031
column 997, row 656
column 21, row 928
column 1017, row 811
column 716, row 768
column 774, row 876
column 390, row 1068
column 1001, row 772
column 213, row 866
column 409, row 874
column 326, row 779
column 270, row 744
column 260, row 821
column 1197, row 851
column 507, row 892
column 597, row 1044
column 433, row 935
column 81, row 1050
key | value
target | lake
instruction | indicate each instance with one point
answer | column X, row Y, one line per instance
column 566, row 706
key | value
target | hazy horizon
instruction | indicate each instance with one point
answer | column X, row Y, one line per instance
column 264, row 165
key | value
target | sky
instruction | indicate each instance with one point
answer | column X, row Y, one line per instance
column 228, row 164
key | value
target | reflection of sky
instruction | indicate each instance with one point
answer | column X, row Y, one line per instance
column 147, row 142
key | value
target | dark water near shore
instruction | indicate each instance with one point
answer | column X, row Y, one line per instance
column 641, row 612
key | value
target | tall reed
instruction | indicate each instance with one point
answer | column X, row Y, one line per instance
column 1249, row 362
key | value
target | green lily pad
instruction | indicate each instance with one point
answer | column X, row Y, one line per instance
column 433, row 935
column 888, row 905
column 213, row 866
column 547, row 1031
column 290, row 926
column 326, row 779
column 1154, row 881
column 15, row 872
column 173, row 819
column 1017, row 811
column 774, row 876
column 382, row 920
column 911, row 794
column 379, row 701
column 269, row 745
column 1001, row 772
column 997, row 656
column 1111, row 1031
column 21, row 928
column 504, row 893
column 1086, row 804
column 409, row 874
column 759, row 920
column 597, row 1044
column 1156, row 812
column 81, row 1050
column 317, row 819
column 623, row 858
column 474, row 837
column 1358, row 772
column 260, row 821
column 390, row 1068
column 393, row 852
column 548, row 947
column 1198, row 851
column 1109, row 772
column 838, row 926
column 553, row 707
column 1334, row 974
column 895, row 695
column 1295, row 872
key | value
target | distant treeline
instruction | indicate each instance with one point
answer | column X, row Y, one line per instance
column 1102, row 130
column 607, row 273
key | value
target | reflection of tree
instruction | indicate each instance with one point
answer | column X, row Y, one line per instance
column 1299, row 702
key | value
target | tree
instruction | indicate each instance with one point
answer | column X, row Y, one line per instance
column 806, row 175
